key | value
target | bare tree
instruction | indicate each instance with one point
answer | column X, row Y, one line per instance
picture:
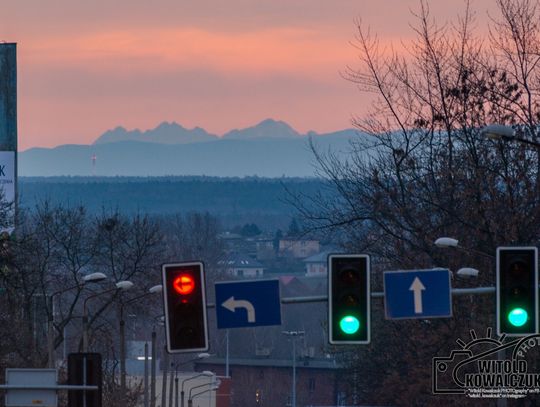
column 419, row 169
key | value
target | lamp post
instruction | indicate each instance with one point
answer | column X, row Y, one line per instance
column 205, row 373
column 90, row 278
column 153, row 362
column 505, row 133
column 153, row 290
column 293, row 335
column 214, row 386
column 451, row 243
column 174, row 372
column 121, row 285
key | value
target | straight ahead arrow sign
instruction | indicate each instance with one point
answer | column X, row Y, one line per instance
column 417, row 287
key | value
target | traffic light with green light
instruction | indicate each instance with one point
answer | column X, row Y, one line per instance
column 349, row 319
column 184, row 298
column 517, row 290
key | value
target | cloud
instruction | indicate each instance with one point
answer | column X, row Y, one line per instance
column 165, row 50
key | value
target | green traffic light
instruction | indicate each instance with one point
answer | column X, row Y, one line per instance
column 518, row 317
column 349, row 324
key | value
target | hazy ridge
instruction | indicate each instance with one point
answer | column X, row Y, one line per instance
column 269, row 149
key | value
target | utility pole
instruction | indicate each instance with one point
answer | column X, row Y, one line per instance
column 293, row 335
column 153, row 362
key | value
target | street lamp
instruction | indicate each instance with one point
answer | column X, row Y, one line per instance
column 90, row 278
column 121, row 285
column 444, row 242
column 294, row 335
column 506, row 133
column 448, row 242
column 467, row 272
column 153, row 290
column 174, row 377
column 213, row 387
column 498, row 132
column 206, row 373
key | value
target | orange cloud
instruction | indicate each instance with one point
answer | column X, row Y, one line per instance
column 276, row 50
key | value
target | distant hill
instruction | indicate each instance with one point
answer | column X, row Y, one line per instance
column 235, row 201
column 269, row 149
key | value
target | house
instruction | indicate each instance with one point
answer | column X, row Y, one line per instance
column 317, row 265
column 265, row 248
column 298, row 248
column 267, row 382
column 240, row 265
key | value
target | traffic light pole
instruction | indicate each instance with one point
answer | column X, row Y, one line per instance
column 376, row 294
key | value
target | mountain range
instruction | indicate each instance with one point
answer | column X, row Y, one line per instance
column 269, row 149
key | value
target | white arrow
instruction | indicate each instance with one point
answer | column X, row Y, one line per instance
column 417, row 287
column 231, row 304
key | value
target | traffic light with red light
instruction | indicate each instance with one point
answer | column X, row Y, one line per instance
column 349, row 316
column 184, row 297
column 517, row 290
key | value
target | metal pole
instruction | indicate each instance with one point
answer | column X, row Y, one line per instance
column 85, row 331
column 294, row 372
column 164, row 377
column 153, row 371
column 65, row 343
column 85, row 378
column 182, row 394
column 146, row 375
column 171, row 385
column 501, row 355
column 227, row 354
column 374, row 294
column 50, row 335
column 176, row 391
column 122, row 358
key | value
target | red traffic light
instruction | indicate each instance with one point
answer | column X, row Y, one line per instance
column 184, row 301
column 184, row 284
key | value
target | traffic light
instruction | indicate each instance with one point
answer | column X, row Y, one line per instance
column 185, row 307
column 349, row 316
column 517, row 290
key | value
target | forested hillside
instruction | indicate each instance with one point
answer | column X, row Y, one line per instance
column 235, row 201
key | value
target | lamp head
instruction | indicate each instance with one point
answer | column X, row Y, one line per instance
column 467, row 272
column 156, row 289
column 498, row 131
column 93, row 278
column 124, row 285
column 446, row 242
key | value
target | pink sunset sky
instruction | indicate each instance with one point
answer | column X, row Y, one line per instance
column 88, row 66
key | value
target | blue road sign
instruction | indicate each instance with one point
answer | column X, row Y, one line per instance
column 248, row 303
column 417, row 294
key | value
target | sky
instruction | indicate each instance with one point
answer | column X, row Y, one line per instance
column 88, row 66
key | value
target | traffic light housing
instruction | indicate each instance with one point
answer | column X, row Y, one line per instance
column 184, row 299
column 517, row 291
column 349, row 315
